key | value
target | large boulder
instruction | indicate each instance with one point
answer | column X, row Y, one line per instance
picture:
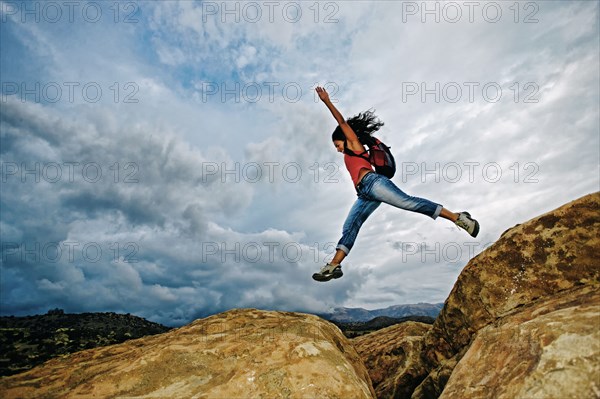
column 536, row 260
column 548, row 350
column 240, row 353
column 393, row 357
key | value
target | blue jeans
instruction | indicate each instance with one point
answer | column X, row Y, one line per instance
column 372, row 190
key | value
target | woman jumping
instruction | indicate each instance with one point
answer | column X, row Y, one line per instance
column 372, row 188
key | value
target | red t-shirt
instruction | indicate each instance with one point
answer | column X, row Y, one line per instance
column 355, row 164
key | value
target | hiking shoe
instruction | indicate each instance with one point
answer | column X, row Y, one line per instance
column 328, row 272
column 465, row 221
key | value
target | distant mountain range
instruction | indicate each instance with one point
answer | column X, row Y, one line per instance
column 351, row 315
column 357, row 328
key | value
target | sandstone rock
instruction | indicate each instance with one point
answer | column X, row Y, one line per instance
column 237, row 354
column 435, row 382
column 549, row 350
column 393, row 357
column 537, row 259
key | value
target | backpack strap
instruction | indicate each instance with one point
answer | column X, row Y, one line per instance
column 351, row 153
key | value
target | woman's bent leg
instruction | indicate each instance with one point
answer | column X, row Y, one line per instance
column 359, row 212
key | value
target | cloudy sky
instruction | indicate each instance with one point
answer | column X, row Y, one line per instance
column 170, row 159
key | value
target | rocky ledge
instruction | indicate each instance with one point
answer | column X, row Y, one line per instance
column 522, row 320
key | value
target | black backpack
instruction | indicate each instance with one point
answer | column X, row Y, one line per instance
column 379, row 155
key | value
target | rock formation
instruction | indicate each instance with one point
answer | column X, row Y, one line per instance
column 532, row 262
column 393, row 357
column 548, row 350
column 243, row 353
column 522, row 320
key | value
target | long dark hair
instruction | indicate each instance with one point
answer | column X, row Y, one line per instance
column 364, row 124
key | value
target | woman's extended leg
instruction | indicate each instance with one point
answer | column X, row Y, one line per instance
column 384, row 190
column 340, row 255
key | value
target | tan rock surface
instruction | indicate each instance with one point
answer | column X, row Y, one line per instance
column 548, row 350
column 537, row 259
column 436, row 380
column 393, row 357
column 243, row 353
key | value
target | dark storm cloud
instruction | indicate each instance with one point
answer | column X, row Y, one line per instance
column 147, row 246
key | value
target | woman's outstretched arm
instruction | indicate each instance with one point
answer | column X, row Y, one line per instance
column 346, row 129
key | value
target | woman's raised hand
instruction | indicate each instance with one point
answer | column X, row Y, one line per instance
column 322, row 94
